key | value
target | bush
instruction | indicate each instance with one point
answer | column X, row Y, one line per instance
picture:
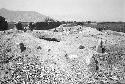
column 19, row 26
column 3, row 24
column 46, row 25
column 31, row 26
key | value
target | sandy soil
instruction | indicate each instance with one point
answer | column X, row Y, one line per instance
column 72, row 56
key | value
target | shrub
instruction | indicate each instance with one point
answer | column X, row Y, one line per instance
column 3, row 24
column 31, row 26
column 19, row 26
column 46, row 25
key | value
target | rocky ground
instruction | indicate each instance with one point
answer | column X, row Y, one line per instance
column 65, row 55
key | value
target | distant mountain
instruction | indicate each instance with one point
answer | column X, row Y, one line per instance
column 23, row 16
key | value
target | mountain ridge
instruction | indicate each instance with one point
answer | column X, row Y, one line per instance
column 23, row 16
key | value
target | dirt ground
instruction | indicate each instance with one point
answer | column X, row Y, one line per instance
column 63, row 57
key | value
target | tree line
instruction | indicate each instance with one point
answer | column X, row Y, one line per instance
column 114, row 26
column 4, row 25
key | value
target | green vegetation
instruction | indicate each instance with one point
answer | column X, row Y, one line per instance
column 31, row 26
column 19, row 26
column 114, row 26
column 3, row 24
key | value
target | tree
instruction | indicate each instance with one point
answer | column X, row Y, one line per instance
column 19, row 26
column 31, row 26
column 88, row 22
column 3, row 24
column 49, row 20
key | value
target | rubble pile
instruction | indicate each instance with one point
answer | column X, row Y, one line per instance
column 48, row 57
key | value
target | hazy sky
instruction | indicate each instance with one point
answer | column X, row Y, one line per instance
column 95, row 10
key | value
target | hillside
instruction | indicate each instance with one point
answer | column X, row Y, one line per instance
column 23, row 16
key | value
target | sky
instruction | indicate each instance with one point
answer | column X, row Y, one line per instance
column 78, row 10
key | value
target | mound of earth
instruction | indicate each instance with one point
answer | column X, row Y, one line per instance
column 63, row 57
